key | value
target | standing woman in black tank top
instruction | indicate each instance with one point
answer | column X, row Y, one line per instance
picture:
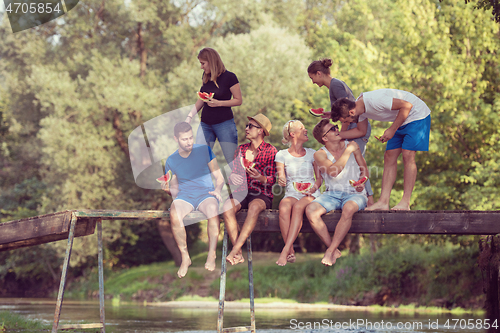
column 217, row 120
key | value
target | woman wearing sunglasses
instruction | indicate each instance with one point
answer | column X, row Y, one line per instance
column 217, row 120
column 295, row 164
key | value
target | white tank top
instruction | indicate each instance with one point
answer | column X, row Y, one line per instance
column 341, row 182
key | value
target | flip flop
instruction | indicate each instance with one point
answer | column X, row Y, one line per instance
column 291, row 258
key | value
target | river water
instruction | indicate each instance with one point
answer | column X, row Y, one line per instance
column 127, row 318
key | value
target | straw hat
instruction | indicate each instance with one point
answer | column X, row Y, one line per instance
column 263, row 122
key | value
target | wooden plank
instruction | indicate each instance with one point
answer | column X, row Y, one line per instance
column 79, row 326
column 397, row 222
column 124, row 214
column 41, row 229
column 35, row 227
column 52, row 227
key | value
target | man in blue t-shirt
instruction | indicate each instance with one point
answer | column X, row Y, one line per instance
column 192, row 167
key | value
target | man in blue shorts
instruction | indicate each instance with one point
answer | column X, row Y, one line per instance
column 192, row 167
column 409, row 133
column 339, row 162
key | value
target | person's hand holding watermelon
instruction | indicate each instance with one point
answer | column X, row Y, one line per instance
column 255, row 174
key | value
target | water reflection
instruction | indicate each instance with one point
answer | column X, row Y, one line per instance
column 138, row 318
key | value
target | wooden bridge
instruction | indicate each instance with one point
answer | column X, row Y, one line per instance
column 79, row 223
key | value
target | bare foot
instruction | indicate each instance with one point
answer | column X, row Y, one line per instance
column 210, row 264
column 186, row 262
column 401, row 206
column 282, row 259
column 235, row 258
column 378, row 206
column 291, row 258
column 330, row 258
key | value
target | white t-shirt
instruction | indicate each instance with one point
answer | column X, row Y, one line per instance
column 297, row 169
column 341, row 182
column 378, row 104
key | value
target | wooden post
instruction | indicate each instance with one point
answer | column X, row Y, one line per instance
column 489, row 262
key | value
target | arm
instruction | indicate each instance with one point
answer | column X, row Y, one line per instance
column 363, row 168
column 172, row 188
column 237, row 100
column 358, row 132
column 319, row 179
column 235, row 178
column 334, row 169
column 219, row 179
column 404, row 108
column 280, row 169
column 196, row 108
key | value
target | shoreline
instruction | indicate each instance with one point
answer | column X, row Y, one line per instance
column 260, row 304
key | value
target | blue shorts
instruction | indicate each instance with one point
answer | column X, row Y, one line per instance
column 335, row 200
column 412, row 136
column 194, row 200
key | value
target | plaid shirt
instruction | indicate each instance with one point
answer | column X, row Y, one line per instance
column 264, row 163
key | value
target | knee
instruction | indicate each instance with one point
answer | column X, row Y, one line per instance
column 298, row 209
column 284, row 208
column 391, row 156
column 349, row 209
column 256, row 207
column 408, row 156
column 311, row 211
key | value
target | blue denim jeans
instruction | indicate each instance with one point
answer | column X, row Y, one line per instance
column 225, row 132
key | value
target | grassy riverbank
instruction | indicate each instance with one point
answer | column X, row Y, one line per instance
column 13, row 322
column 431, row 276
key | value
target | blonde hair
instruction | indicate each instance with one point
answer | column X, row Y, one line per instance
column 290, row 127
column 215, row 63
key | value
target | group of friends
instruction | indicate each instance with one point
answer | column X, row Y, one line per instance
column 197, row 180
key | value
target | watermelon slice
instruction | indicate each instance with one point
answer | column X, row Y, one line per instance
column 166, row 178
column 359, row 182
column 205, row 97
column 378, row 138
column 246, row 163
column 317, row 112
column 302, row 187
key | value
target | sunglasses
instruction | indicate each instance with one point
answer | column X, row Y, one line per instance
column 334, row 128
column 251, row 126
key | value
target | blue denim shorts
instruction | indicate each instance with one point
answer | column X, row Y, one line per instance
column 335, row 200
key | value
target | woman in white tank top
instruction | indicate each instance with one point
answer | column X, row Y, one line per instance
column 295, row 165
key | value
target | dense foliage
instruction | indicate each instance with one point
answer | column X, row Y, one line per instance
column 72, row 90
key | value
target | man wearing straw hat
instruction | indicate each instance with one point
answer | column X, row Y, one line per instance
column 253, row 173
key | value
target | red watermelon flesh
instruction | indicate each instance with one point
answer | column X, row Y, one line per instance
column 302, row 187
column 205, row 96
column 317, row 112
column 166, row 178
column 359, row 182
column 246, row 163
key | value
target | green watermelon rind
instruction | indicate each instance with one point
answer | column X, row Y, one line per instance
column 304, row 190
column 315, row 113
column 162, row 178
